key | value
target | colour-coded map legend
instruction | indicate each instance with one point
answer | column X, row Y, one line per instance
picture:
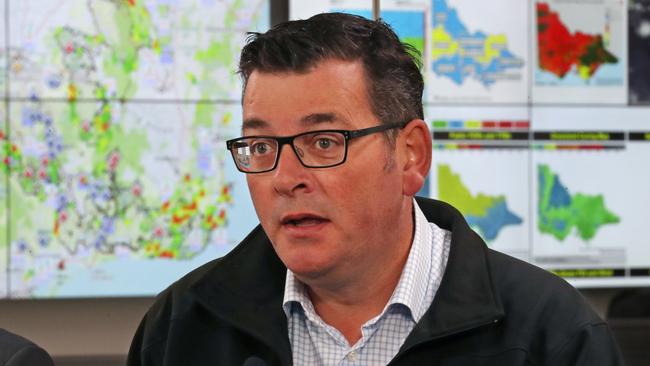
column 480, row 134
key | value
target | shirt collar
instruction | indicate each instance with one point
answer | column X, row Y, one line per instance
column 411, row 287
column 295, row 292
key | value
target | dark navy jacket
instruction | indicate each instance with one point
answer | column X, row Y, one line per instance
column 490, row 309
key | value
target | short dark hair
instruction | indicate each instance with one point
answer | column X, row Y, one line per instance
column 392, row 68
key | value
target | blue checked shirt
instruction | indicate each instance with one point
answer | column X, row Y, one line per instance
column 314, row 342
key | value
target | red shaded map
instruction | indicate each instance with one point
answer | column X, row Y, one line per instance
column 559, row 50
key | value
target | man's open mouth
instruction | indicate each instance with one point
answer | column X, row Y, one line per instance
column 303, row 220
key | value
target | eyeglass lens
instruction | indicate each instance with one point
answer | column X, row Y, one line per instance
column 316, row 149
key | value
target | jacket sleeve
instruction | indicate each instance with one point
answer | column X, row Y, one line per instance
column 591, row 345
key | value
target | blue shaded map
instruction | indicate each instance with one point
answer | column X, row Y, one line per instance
column 495, row 219
column 459, row 54
column 560, row 196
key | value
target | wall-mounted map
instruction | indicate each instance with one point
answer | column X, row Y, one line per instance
column 116, row 178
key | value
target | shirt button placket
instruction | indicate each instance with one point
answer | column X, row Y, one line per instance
column 352, row 357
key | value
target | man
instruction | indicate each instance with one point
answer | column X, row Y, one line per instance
column 346, row 266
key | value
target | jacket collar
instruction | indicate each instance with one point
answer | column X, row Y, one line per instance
column 251, row 278
column 245, row 289
column 466, row 298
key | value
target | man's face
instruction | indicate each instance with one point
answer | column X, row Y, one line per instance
column 324, row 223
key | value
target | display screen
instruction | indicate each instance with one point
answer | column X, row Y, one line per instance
column 540, row 116
column 115, row 178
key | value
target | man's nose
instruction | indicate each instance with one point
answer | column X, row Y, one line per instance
column 289, row 174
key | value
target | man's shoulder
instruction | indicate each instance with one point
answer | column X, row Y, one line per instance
column 533, row 296
column 173, row 302
column 11, row 341
column 521, row 286
column 15, row 349
column 212, row 298
column 232, row 272
column 514, row 274
column 549, row 317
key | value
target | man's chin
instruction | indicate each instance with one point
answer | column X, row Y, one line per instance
column 306, row 259
column 307, row 270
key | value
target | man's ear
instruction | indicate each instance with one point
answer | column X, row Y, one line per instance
column 415, row 142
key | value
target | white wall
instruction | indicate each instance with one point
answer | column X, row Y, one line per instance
column 76, row 327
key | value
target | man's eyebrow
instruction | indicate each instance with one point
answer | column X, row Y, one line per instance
column 254, row 123
column 318, row 118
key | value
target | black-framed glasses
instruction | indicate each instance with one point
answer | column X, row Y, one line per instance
column 314, row 149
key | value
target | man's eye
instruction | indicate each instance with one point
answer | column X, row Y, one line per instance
column 261, row 148
column 324, row 143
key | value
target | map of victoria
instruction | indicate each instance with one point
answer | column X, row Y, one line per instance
column 561, row 51
column 561, row 213
column 478, row 51
column 118, row 181
column 487, row 214
column 459, row 54
column 580, row 51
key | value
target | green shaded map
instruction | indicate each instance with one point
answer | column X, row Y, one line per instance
column 488, row 214
column 559, row 211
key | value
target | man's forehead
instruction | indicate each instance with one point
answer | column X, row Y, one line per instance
column 331, row 92
column 306, row 121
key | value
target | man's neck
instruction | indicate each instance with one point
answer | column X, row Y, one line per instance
column 362, row 296
column 347, row 309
